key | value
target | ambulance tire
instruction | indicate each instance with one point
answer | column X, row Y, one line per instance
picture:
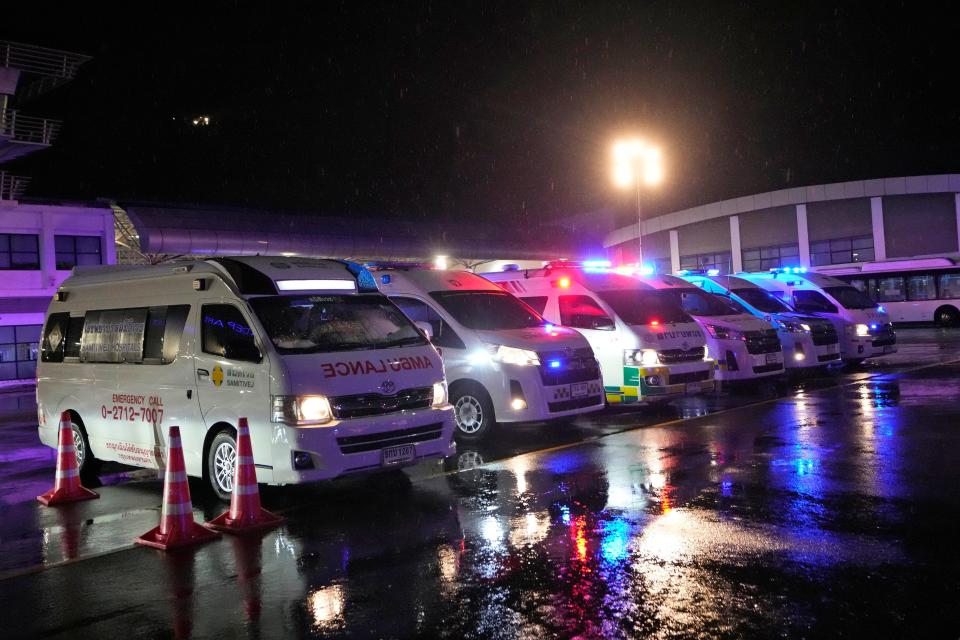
column 221, row 457
column 472, row 410
column 86, row 463
column 947, row 316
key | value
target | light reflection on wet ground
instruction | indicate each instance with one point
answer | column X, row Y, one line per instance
column 822, row 511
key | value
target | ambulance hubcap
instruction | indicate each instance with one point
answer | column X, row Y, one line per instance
column 224, row 462
column 78, row 445
column 469, row 414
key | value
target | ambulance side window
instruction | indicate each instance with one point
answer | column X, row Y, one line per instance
column 225, row 333
column 54, row 337
column 537, row 303
column 74, row 334
column 583, row 312
column 161, row 342
column 812, row 302
column 417, row 311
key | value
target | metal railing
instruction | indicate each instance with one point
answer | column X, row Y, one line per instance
column 28, row 129
column 41, row 60
column 11, row 186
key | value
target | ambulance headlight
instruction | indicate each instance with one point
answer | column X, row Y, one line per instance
column 793, row 327
column 641, row 357
column 862, row 330
column 301, row 410
column 439, row 394
column 723, row 333
column 513, row 355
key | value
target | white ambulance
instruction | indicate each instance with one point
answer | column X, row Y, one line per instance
column 503, row 362
column 864, row 326
column 649, row 349
column 807, row 341
column 746, row 347
column 333, row 378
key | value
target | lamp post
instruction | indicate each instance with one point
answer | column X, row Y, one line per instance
column 635, row 163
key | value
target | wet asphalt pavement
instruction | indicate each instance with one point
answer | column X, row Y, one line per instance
column 819, row 507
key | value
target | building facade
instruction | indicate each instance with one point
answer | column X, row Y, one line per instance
column 840, row 223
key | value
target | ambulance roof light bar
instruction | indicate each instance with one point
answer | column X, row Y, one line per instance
column 698, row 272
column 786, row 270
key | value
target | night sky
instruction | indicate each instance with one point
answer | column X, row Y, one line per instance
column 492, row 111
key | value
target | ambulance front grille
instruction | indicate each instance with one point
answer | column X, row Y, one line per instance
column 376, row 404
column 676, row 356
column 377, row 441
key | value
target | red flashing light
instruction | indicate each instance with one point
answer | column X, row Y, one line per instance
column 654, row 323
column 564, row 283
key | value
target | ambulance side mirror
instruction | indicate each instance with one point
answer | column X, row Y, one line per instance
column 425, row 328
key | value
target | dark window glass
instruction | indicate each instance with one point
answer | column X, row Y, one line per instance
column 950, row 285
column 862, row 242
column 19, row 350
column 164, row 328
column 326, row 323
column 751, row 254
column 419, row 311
column 841, row 244
column 850, row 298
column 176, row 320
column 488, row 310
column 820, row 247
column 813, row 301
column 640, row 307
column 537, row 303
column 722, row 262
column 74, row 334
column 55, row 337
column 766, row 258
column 583, row 312
column 762, row 300
column 889, row 290
column 697, row 302
column 226, row 333
column 19, row 251
column 922, row 287
column 75, row 251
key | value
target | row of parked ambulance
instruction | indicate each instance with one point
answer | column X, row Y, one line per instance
column 341, row 368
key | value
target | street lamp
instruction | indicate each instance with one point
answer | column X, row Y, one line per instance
column 636, row 163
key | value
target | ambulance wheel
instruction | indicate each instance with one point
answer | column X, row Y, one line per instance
column 947, row 316
column 221, row 460
column 85, row 460
column 472, row 410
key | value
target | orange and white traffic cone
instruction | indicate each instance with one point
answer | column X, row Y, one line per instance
column 245, row 514
column 177, row 528
column 66, row 486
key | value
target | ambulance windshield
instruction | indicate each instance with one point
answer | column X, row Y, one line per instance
column 488, row 310
column 312, row 324
column 643, row 307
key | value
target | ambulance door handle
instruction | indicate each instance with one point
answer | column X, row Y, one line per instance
column 203, row 373
column 189, row 393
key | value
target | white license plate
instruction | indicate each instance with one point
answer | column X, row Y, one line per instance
column 399, row 454
column 772, row 358
column 578, row 389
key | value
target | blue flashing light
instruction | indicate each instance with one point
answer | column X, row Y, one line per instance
column 366, row 283
column 713, row 272
column 548, row 327
column 597, row 264
column 565, row 514
column 881, row 309
column 647, row 270
column 874, row 326
column 385, row 278
column 554, row 364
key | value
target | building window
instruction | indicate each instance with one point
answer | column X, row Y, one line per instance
column 662, row 265
column 19, row 251
column 19, row 347
column 765, row 258
column 722, row 262
column 841, row 250
column 75, row 251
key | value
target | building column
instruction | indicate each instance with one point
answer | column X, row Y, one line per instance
column 674, row 251
column 48, row 252
column 879, row 239
column 956, row 207
column 803, row 237
column 735, row 252
column 109, row 239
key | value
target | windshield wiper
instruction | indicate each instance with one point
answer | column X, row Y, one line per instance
column 399, row 342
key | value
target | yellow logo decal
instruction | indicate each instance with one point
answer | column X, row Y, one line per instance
column 217, row 375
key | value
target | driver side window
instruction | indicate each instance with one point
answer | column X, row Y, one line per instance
column 417, row 311
column 812, row 301
column 225, row 333
column 583, row 312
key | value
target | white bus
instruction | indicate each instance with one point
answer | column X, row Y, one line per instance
column 921, row 290
column 332, row 376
